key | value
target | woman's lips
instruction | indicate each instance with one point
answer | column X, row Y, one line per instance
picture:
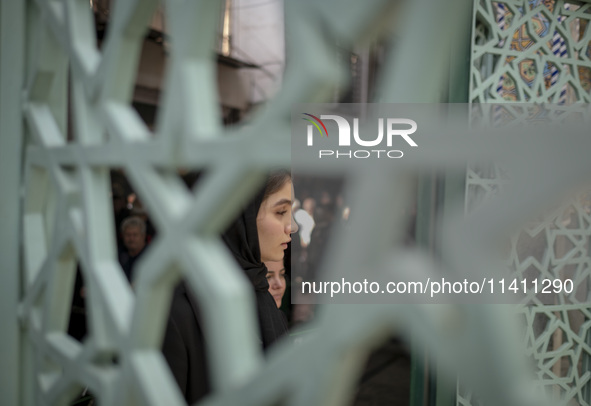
column 284, row 245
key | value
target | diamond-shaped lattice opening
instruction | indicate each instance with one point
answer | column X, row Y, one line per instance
column 482, row 32
column 507, row 88
column 551, row 74
column 585, row 78
column 576, row 318
column 146, row 93
column 577, row 29
column 558, row 340
column 540, row 324
column 78, row 323
column 531, row 273
column 567, row 96
column 581, row 25
column 503, row 15
column 562, row 366
column 499, row 44
column 134, row 226
column 143, row 85
column 521, row 39
column 531, row 246
column 146, row 109
column 557, row 44
column 485, row 64
column 580, row 252
column 527, row 71
column 137, row 232
column 539, row 24
column 120, row 193
column 577, row 362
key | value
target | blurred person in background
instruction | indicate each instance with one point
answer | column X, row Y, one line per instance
column 138, row 210
column 305, row 219
column 120, row 211
column 133, row 231
column 276, row 280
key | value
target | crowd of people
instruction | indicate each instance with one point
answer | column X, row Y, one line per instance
column 271, row 230
column 134, row 231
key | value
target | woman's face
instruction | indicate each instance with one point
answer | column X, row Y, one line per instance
column 276, row 279
column 274, row 224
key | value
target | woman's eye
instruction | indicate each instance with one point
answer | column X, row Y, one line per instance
column 281, row 213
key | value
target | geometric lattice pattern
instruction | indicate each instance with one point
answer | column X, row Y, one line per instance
column 557, row 337
column 540, row 51
column 557, row 325
column 554, row 245
column 78, row 124
column 535, row 51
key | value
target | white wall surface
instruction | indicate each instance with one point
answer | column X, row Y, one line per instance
column 257, row 36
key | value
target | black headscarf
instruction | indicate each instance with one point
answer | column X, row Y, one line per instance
column 243, row 241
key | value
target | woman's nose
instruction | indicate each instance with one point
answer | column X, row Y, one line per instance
column 275, row 284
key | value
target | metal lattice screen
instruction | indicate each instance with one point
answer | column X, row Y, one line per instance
column 57, row 81
column 540, row 51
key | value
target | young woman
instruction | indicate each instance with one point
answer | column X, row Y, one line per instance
column 261, row 233
column 276, row 280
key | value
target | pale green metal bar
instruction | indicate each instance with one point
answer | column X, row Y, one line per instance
column 440, row 193
column 12, row 46
column 410, row 85
column 454, row 183
column 426, row 196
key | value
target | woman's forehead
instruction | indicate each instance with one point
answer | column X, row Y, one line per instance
column 283, row 195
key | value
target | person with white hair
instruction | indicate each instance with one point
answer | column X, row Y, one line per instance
column 133, row 231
